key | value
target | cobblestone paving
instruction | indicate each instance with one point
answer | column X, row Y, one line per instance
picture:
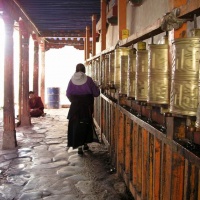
column 41, row 167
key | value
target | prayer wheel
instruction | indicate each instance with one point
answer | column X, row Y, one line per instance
column 88, row 70
column 131, row 74
column 93, row 70
column 185, row 76
column 122, row 51
column 106, row 71
column 158, row 74
column 97, row 71
column 141, row 79
column 111, row 69
column 123, row 75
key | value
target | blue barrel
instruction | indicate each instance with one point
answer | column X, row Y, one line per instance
column 53, row 94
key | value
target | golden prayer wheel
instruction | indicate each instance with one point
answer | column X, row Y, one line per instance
column 111, row 69
column 123, row 75
column 93, row 70
column 122, row 51
column 141, row 78
column 141, row 45
column 88, row 69
column 158, row 74
column 106, row 70
column 185, row 76
column 97, row 71
column 131, row 74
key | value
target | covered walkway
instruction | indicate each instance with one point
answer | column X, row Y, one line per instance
column 41, row 167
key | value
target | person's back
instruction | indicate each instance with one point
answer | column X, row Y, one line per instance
column 81, row 91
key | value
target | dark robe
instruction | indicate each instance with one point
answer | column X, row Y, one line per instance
column 81, row 127
column 36, row 107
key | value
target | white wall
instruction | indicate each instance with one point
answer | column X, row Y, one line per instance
column 60, row 64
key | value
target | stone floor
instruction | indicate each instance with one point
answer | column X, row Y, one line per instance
column 41, row 167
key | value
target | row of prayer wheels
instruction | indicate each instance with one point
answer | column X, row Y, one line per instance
column 146, row 75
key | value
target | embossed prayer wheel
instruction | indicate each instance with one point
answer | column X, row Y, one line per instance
column 158, row 74
column 89, row 70
column 93, row 70
column 122, row 51
column 123, row 75
column 141, row 78
column 97, row 71
column 106, row 71
column 111, row 69
column 131, row 74
column 185, row 76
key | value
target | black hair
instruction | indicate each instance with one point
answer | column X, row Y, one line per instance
column 80, row 68
column 31, row 92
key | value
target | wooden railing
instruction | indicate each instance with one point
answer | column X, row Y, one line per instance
column 152, row 163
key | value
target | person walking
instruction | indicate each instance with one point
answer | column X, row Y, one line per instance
column 81, row 91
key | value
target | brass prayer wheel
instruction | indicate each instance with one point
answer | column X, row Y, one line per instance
column 97, row 71
column 123, row 75
column 106, row 71
column 141, row 45
column 93, row 70
column 111, row 69
column 158, row 74
column 141, row 80
column 185, row 76
column 122, row 51
column 131, row 74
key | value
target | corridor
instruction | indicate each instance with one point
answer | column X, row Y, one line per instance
column 41, row 167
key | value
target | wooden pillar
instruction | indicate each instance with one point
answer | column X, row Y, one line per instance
column 42, row 73
column 103, row 25
column 35, row 65
column 181, row 32
column 121, row 16
column 20, row 76
column 94, row 21
column 24, row 106
column 9, row 133
column 87, row 42
column 85, row 49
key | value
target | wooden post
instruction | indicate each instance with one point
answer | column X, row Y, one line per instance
column 35, row 65
column 94, row 19
column 9, row 133
column 25, row 115
column 85, row 57
column 87, row 42
column 20, row 76
column 121, row 16
column 103, row 25
column 42, row 73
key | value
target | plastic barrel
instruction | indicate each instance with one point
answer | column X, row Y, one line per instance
column 53, row 94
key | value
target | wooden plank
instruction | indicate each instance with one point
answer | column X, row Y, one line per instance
column 139, row 160
column 198, row 185
column 157, row 168
column 151, row 161
column 186, row 182
column 135, row 153
column 120, row 142
column 128, row 147
column 177, row 177
column 166, row 176
column 145, row 163
column 192, row 189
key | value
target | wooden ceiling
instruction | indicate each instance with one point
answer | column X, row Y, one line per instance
column 56, row 19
